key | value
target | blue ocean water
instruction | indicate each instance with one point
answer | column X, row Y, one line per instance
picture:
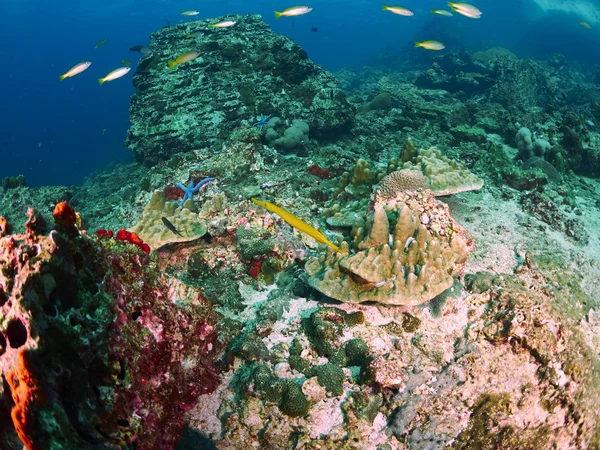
column 59, row 132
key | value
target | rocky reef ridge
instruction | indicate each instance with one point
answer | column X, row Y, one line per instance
column 240, row 73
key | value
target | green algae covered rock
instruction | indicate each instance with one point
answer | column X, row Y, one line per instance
column 324, row 328
column 240, row 72
column 330, row 376
column 286, row 393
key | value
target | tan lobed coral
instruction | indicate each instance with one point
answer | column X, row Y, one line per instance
column 407, row 255
column 401, row 181
column 151, row 229
column 445, row 176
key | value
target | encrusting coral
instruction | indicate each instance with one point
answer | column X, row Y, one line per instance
column 445, row 176
column 407, row 255
column 401, row 181
column 151, row 229
column 414, row 170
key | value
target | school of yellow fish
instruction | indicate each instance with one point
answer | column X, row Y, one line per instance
column 464, row 9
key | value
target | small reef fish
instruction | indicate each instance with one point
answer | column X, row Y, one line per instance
column 103, row 131
column 117, row 73
column 100, row 43
column 189, row 12
column 585, row 24
column 297, row 223
column 170, row 226
column 186, row 57
column 293, row 11
column 76, row 69
column 400, row 10
column 224, row 24
column 125, row 62
column 441, row 12
column 139, row 48
column 430, row 45
column 465, row 9
column 194, row 35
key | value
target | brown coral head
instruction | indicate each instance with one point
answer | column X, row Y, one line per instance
column 402, row 181
column 407, row 258
column 36, row 224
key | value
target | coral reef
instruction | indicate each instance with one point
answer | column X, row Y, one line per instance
column 238, row 75
column 248, row 333
column 13, row 182
column 93, row 347
column 404, row 261
column 444, row 176
column 151, row 227
column 291, row 138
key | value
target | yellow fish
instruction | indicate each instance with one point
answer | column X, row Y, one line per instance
column 186, row 57
column 400, row 10
column 441, row 12
column 585, row 24
column 293, row 11
column 125, row 62
column 431, row 45
column 224, row 24
column 117, row 73
column 77, row 69
column 297, row 223
column 465, row 9
column 100, row 43
column 195, row 34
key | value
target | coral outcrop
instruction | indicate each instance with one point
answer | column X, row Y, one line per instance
column 241, row 72
column 407, row 254
column 152, row 229
column 444, row 176
column 93, row 348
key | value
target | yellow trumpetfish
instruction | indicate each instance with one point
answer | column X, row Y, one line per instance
column 297, row 223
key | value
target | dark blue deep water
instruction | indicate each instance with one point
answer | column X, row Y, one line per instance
column 52, row 132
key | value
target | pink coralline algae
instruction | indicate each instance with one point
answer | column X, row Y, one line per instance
column 95, row 351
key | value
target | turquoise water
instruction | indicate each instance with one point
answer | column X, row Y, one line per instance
column 58, row 133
